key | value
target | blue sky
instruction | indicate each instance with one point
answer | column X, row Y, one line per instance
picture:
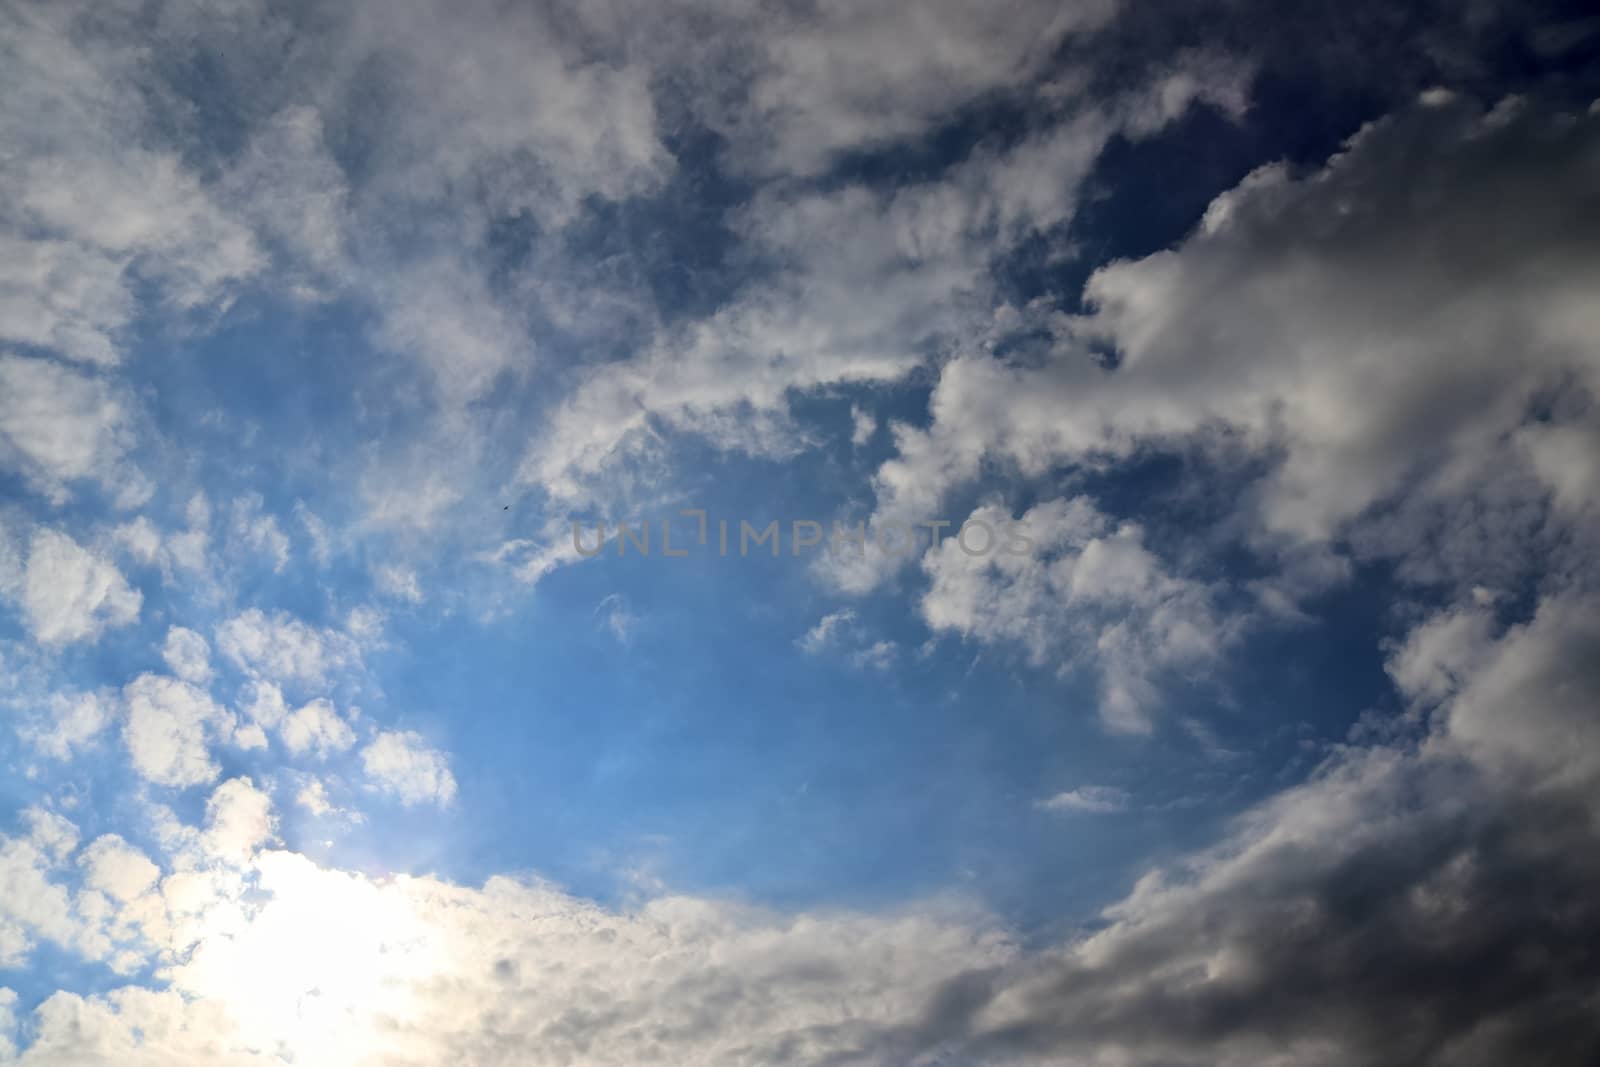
column 1271, row 331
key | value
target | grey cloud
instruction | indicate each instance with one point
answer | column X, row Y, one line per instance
column 865, row 285
column 1413, row 903
column 1383, row 324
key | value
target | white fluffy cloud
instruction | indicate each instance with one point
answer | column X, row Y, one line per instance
column 284, row 650
column 313, row 797
column 53, row 833
column 32, row 905
column 402, row 764
column 263, row 703
column 187, row 655
column 1086, row 592
column 70, row 594
column 168, row 729
column 317, row 728
column 239, row 819
column 115, row 867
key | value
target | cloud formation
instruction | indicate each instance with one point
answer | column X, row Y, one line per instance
column 1372, row 327
column 1085, row 589
column 316, row 323
column 69, row 594
column 402, row 764
column 1333, row 924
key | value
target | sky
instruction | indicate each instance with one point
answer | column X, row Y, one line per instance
column 718, row 532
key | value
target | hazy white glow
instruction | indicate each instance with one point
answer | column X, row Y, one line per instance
column 312, row 972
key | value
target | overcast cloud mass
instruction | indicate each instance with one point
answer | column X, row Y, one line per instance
column 1178, row 639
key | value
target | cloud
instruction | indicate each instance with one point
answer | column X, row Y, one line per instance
column 190, row 551
column 168, row 727
column 400, row 583
column 1335, row 927
column 92, row 213
column 58, row 425
column 61, row 296
column 879, row 655
column 1546, row 669
column 294, row 193
column 837, row 78
column 402, row 764
column 8, row 1022
column 316, row 727
column 239, row 819
column 822, row 634
column 331, row 966
column 863, row 426
column 263, row 703
column 115, row 867
column 1088, row 799
column 313, row 796
column 597, row 136
column 117, row 211
column 52, row 833
column 407, row 501
column 73, row 723
column 145, row 205
column 1415, row 391
column 32, row 906
column 442, row 314
column 842, row 631
column 285, row 650
column 1329, row 325
column 616, row 618
column 140, row 539
column 1392, row 353
column 69, row 594
column 1417, row 902
column 258, row 536
column 187, row 655
column 1082, row 590
column 317, row 532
